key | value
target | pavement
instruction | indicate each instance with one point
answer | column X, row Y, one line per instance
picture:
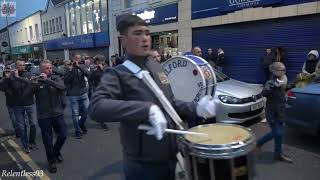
column 98, row 155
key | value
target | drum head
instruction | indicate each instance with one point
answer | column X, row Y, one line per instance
column 219, row 134
column 189, row 77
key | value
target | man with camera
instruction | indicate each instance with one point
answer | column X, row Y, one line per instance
column 99, row 62
column 77, row 93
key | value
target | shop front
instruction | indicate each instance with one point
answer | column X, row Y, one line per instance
column 91, row 44
column 244, row 43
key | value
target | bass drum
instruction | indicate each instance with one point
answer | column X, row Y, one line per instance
column 191, row 77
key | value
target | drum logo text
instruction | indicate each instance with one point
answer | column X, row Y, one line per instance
column 174, row 65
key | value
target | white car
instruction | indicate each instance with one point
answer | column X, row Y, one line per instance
column 237, row 101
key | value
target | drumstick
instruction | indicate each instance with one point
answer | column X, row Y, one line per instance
column 173, row 131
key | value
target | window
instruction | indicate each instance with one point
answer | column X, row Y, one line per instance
column 84, row 17
column 47, row 27
column 104, row 16
column 96, row 16
column 78, row 17
column 31, row 33
column 50, row 26
column 72, row 19
column 37, row 31
column 89, row 15
column 53, row 26
column 60, row 23
column 130, row 3
column 57, row 25
column 44, row 28
column 25, row 34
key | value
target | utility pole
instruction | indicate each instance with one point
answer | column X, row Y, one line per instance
column 7, row 13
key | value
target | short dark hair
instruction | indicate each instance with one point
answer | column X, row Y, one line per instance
column 99, row 58
column 128, row 21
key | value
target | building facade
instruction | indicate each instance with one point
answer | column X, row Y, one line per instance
column 53, row 27
column 86, row 28
column 26, row 37
column 244, row 29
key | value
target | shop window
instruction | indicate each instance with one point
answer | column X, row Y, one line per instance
column 96, row 16
column 84, row 17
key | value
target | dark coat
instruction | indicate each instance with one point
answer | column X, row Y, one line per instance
column 75, row 82
column 126, row 99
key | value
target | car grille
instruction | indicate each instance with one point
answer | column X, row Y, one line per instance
column 253, row 98
column 244, row 115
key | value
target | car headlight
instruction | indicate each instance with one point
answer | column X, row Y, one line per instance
column 229, row 99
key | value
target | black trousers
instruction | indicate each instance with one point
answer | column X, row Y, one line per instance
column 135, row 170
column 60, row 128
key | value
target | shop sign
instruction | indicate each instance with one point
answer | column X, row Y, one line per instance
column 79, row 42
column 210, row 8
column 160, row 15
column 4, row 44
column 146, row 15
column 22, row 50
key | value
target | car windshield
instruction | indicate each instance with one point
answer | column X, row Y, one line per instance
column 220, row 76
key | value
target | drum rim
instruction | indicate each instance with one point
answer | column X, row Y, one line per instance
column 233, row 145
column 224, row 151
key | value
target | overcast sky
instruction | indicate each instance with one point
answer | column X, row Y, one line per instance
column 24, row 8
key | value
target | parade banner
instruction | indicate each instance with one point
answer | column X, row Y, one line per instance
column 8, row 8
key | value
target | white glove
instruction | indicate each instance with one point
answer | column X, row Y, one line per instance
column 206, row 107
column 158, row 122
column 279, row 83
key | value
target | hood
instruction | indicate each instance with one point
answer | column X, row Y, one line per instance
column 314, row 52
column 237, row 89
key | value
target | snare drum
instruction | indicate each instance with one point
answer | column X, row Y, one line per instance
column 191, row 77
column 226, row 154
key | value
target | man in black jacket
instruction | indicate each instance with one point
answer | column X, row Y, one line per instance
column 10, row 99
column 95, row 77
column 266, row 61
column 77, row 93
column 220, row 60
column 49, row 92
column 211, row 58
column 122, row 97
column 24, row 108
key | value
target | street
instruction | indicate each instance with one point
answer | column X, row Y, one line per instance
column 98, row 154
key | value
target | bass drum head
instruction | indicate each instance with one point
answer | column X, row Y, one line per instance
column 218, row 134
column 189, row 77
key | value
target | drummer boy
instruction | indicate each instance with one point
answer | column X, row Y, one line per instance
column 121, row 97
column 274, row 91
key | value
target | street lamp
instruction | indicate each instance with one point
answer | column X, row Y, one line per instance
column 6, row 10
